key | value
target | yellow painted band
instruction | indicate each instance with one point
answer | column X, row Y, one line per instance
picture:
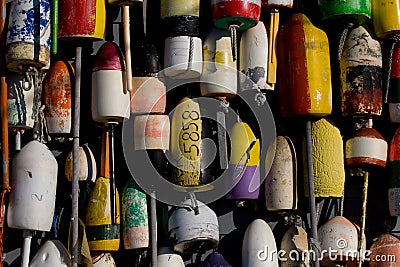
column 385, row 17
column 100, row 18
column 241, row 138
column 171, row 8
column 106, row 245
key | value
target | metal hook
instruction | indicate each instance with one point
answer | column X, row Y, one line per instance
column 27, row 81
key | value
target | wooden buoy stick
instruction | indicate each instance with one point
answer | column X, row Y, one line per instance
column 127, row 45
column 363, row 216
column 153, row 225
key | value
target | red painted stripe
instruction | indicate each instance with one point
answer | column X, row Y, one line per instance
column 236, row 9
column 395, row 69
column 109, row 57
column 364, row 161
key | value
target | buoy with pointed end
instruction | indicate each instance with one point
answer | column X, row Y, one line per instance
column 355, row 11
column 295, row 243
column 394, row 86
column 81, row 20
column 183, row 57
column 394, row 175
column 103, row 260
column 328, row 166
column 385, row 251
column 151, row 132
column 259, row 246
column 180, row 17
column 28, row 36
column 87, row 165
column 186, row 128
column 281, row 181
column 244, row 167
column 193, row 225
column 386, row 18
column 254, row 57
column 219, row 77
column 361, row 75
column 51, row 254
column 233, row 15
column 340, row 236
column 303, row 51
column 110, row 98
column 135, row 224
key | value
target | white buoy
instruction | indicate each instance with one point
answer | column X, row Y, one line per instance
column 51, row 254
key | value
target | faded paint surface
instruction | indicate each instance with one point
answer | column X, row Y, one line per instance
column 179, row 8
column 361, row 75
column 151, row 132
column 88, row 17
column 386, row 14
column 295, row 239
column 277, row 3
column 387, row 245
column 148, row 95
column 328, row 165
column 305, row 83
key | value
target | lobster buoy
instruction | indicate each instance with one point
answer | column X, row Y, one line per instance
column 51, row 254
column 34, row 182
column 102, row 234
column 182, row 57
column 281, row 181
column 82, row 19
column 110, row 99
column 254, row 57
column 28, row 36
column 219, row 77
column 180, row 17
column 103, row 260
column 328, row 167
column 394, row 86
column 167, row 258
column 385, row 251
column 356, row 11
column 148, row 95
column 124, row 2
column 186, row 128
column 386, row 18
column 394, row 175
column 367, row 147
column 295, row 239
column 303, row 51
column 193, row 225
column 87, row 168
column 57, row 97
column 235, row 15
column 215, row 259
column 135, row 225
column 259, row 246
column 270, row 4
column 361, row 75
column 244, row 168
column 340, row 236
column 21, row 102
column 151, row 132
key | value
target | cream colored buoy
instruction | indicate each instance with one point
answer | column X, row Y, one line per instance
column 193, row 225
column 219, row 77
column 295, row 245
column 151, row 132
column 327, row 151
column 281, row 181
column 148, row 95
column 87, row 165
column 259, row 246
column 51, row 254
column 183, row 57
column 167, row 258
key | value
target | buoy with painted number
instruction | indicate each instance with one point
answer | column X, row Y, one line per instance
column 254, row 57
column 84, row 19
column 51, row 254
column 110, row 98
column 183, row 57
column 394, row 86
column 361, row 75
column 28, row 37
column 102, row 234
column 259, row 246
column 87, row 170
column 219, row 77
column 303, row 51
column 193, row 225
column 385, row 251
column 57, row 96
column 394, row 175
column 151, row 132
column 34, row 183
column 135, row 225
column 281, row 181
column 355, row 11
column 186, row 128
column 295, row 242
column 327, row 151
column 103, row 260
column 340, row 236
column 235, row 15
column 180, row 17
column 386, row 18
column 244, row 167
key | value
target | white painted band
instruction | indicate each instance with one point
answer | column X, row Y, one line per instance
column 366, row 147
